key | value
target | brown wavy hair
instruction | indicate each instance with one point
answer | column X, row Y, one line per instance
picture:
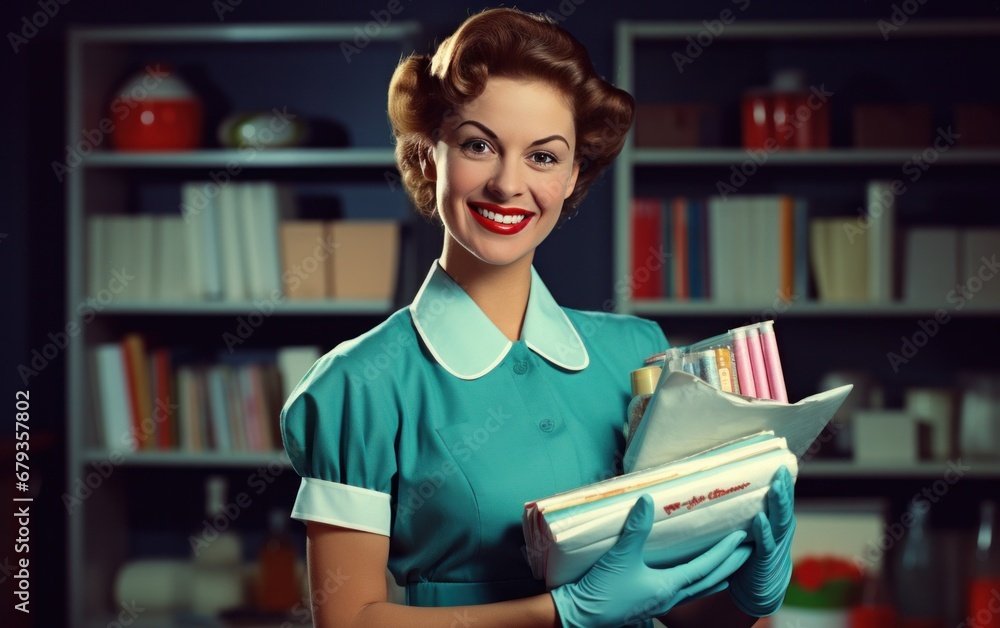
column 425, row 89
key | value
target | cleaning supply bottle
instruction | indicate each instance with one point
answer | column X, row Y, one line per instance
column 278, row 583
column 984, row 586
column 643, row 384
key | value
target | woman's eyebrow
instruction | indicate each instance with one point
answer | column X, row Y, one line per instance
column 482, row 127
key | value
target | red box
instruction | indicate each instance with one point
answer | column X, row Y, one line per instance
column 677, row 126
column 978, row 125
column 892, row 126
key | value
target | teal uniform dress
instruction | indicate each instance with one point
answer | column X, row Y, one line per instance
column 434, row 429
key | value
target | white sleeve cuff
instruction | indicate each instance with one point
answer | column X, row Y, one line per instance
column 342, row 505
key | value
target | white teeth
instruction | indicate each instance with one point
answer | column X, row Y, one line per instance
column 500, row 218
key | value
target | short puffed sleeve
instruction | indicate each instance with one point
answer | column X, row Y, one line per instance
column 339, row 429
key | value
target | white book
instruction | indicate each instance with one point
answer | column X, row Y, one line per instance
column 141, row 252
column 980, row 248
column 98, row 268
column 217, row 397
column 881, row 208
column 121, row 255
column 765, row 262
column 201, row 217
column 232, row 242
column 931, row 269
column 251, row 224
column 171, row 263
column 115, row 395
column 293, row 363
column 722, row 265
column 267, row 234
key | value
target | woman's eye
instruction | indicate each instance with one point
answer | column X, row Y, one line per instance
column 478, row 147
column 544, row 158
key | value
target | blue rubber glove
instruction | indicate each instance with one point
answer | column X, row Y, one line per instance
column 620, row 588
column 758, row 587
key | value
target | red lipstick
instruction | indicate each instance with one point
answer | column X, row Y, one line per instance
column 498, row 227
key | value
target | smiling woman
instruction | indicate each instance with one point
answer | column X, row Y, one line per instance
column 497, row 395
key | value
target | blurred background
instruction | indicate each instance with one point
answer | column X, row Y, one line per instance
column 199, row 200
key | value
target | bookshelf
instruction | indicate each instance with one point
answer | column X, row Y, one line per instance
column 253, row 67
column 818, row 337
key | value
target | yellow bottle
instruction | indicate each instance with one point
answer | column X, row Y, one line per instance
column 643, row 384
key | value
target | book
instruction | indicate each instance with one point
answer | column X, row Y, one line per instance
column 137, row 375
column 932, row 260
column 681, row 279
column 232, row 241
column 365, row 260
column 170, row 261
column 881, row 210
column 115, row 396
column 979, row 250
column 646, row 280
column 301, row 241
column 201, row 220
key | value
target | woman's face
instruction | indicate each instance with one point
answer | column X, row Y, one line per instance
column 503, row 166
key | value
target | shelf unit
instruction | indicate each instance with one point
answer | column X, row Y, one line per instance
column 855, row 64
column 629, row 34
column 97, row 57
column 738, row 58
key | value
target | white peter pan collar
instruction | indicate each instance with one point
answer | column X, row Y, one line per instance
column 467, row 344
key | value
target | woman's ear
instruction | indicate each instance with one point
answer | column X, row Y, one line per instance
column 427, row 164
column 571, row 185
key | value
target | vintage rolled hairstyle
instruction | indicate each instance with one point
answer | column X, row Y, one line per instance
column 504, row 42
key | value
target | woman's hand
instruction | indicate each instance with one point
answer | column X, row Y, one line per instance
column 621, row 588
column 758, row 588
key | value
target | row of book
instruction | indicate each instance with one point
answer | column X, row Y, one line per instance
column 741, row 249
column 241, row 243
column 174, row 399
column 751, row 249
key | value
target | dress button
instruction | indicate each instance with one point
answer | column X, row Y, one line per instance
column 521, row 367
column 546, row 425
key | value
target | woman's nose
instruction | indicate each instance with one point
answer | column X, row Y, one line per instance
column 508, row 180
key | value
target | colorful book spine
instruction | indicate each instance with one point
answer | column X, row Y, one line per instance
column 682, row 273
column 646, row 269
column 786, row 242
